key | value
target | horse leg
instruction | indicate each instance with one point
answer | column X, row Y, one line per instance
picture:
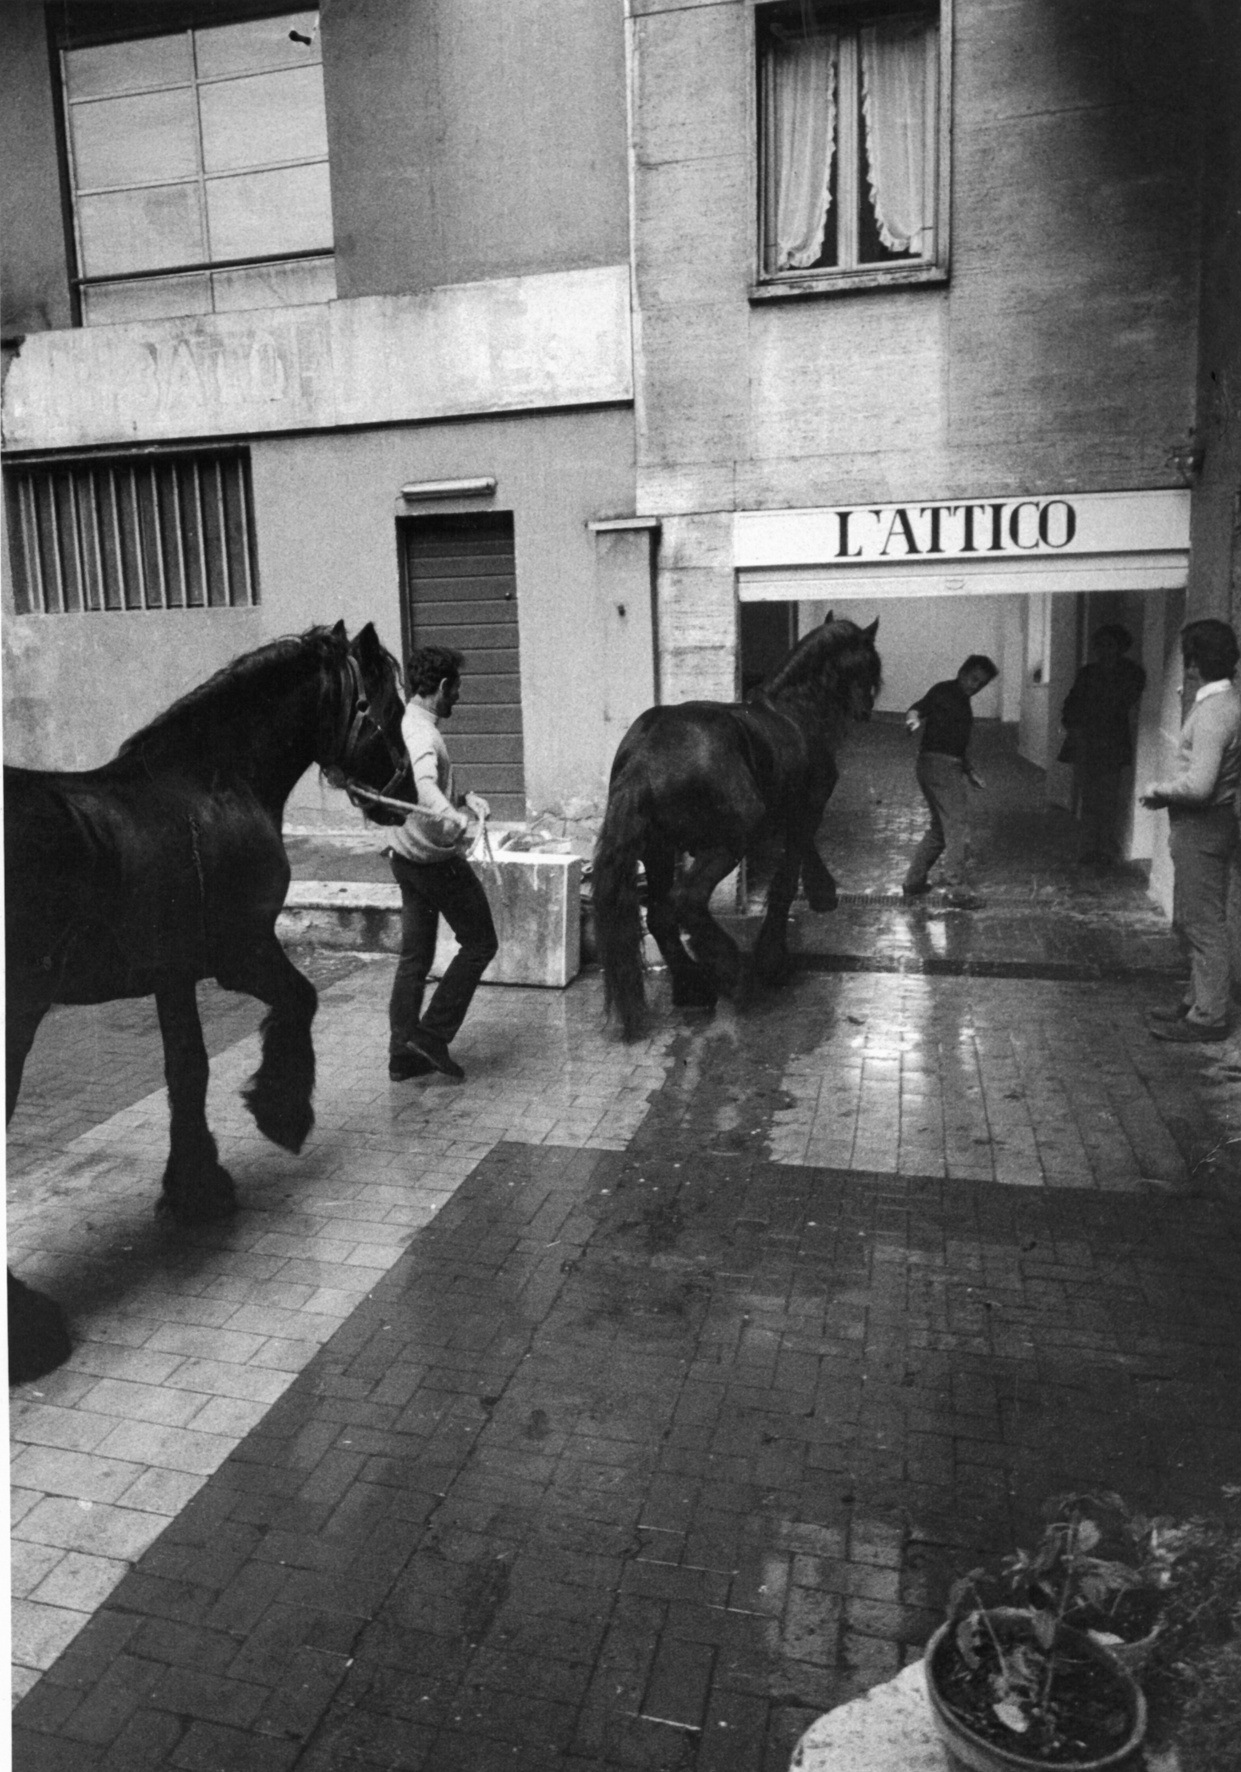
column 21, row 1024
column 711, row 946
column 820, row 885
column 279, row 1092
column 197, row 1188
column 692, row 985
column 819, row 881
column 771, row 957
column 38, row 1332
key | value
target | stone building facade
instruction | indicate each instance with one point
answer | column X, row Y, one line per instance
column 707, row 314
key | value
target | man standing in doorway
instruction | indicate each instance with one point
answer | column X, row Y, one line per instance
column 1201, row 798
column 427, row 858
column 1098, row 721
column 946, row 721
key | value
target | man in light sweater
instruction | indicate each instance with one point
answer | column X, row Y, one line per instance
column 1201, row 798
column 427, row 858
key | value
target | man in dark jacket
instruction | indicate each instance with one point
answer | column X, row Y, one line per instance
column 1098, row 721
column 946, row 721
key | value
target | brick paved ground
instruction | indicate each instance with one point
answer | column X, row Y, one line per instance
column 629, row 1406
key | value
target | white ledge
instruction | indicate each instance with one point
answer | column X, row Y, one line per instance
column 509, row 344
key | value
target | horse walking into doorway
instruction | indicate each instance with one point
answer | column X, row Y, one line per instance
column 712, row 781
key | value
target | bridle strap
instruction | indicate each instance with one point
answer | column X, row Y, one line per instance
column 355, row 718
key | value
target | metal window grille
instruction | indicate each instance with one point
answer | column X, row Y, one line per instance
column 144, row 532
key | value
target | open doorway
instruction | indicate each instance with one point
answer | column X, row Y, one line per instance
column 766, row 633
column 1038, row 641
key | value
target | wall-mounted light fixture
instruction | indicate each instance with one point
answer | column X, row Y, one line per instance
column 610, row 525
column 483, row 487
column 1187, row 459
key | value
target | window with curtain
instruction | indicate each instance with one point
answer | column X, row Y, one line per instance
column 849, row 107
column 198, row 167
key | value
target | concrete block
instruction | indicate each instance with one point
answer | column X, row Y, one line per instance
column 535, row 900
column 889, row 1729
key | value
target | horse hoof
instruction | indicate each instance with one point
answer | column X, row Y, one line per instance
column 821, row 902
column 694, row 995
column 287, row 1123
column 38, row 1333
column 204, row 1199
column 773, row 977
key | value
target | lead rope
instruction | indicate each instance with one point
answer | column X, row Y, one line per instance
column 480, row 849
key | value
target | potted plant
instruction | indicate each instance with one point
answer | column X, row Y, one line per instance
column 1109, row 1567
column 1020, row 1685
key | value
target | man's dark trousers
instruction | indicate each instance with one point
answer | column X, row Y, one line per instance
column 1202, row 841
column 429, row 891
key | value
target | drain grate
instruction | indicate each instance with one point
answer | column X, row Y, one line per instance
column 896, row 897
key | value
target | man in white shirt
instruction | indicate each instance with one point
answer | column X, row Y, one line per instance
column 427, row 858
column 1201, row 798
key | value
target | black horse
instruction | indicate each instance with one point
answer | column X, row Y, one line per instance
column 719, row 782
column 166, row 866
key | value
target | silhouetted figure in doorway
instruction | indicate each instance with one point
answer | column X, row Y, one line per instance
column 1098, row 720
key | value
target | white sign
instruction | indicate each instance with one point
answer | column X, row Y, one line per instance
column 505, row 345
column 976, row 530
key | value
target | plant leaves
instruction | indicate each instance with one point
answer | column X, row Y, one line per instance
column 967, row 1640
column 1012, row 1716
column 1088, row 1535
column 962, row 1592
column 1044, row 1628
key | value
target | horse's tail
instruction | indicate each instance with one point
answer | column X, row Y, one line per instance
column 618, row 921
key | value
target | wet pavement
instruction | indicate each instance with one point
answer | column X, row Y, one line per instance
column 628, row 1406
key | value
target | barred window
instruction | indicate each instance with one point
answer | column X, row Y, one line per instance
column 133, row 532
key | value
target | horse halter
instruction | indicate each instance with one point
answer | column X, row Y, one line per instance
column 356, row 722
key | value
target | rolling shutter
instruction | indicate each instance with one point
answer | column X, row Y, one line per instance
column 461, row 591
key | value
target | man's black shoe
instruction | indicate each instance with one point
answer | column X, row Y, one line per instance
column 908, row 891
column 1187, row 1031
column 1168, row 1012
column 436, row 1053
column 403, row 1067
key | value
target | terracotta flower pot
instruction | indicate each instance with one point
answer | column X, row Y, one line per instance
column 975, row 1752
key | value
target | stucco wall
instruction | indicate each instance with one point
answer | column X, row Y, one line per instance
column 35, row 292
column 1060, row 355
column 474, row 141
column 1215, row 568
column 75, row 686
column 326, row 510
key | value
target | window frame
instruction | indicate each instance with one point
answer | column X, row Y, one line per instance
column 768, row 285
column 70, row 27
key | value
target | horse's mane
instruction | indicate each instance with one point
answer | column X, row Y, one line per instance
column 813, row 656
column 232, row 691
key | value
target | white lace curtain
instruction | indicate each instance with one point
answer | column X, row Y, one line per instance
column 803, row 72
column 894, row 106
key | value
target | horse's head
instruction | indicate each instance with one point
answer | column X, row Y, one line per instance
column 366, row 748
column 860, row 667
column 833, row 672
